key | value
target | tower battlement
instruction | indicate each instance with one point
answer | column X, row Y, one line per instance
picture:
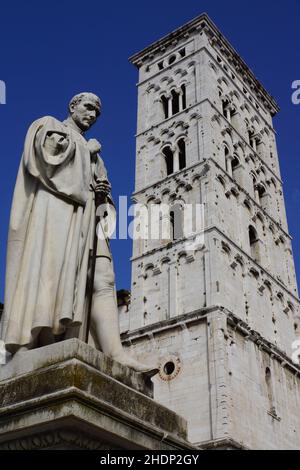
column 146, row 58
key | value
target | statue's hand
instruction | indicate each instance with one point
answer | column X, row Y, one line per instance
column 94, row 146
column 55, row 143
column 102, row 187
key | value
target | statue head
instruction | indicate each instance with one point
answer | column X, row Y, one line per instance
column 84, row 110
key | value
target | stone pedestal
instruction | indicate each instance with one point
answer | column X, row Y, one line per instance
column 70, row 396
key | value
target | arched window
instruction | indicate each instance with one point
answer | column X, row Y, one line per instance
column 252, row 235
column 175, row 102
column 225, row 107
column 252, row 139
column 254, row 243
column 261, row 190
column 168, row 154
column 226, row 153
column 228, row 110
column 235, row 163
column 261, row 195
column 261, row 149
column 227, row 159
column 165, row 105
column 183, row 90
column 182, row 154
column 175, row 161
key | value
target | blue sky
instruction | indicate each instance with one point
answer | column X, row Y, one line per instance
column 49, row 52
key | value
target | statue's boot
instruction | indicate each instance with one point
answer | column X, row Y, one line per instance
column 32, row 345
column 126, row 360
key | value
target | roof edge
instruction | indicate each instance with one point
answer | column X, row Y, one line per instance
column 137, row 58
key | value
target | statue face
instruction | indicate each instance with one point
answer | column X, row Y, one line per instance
column 84, row 114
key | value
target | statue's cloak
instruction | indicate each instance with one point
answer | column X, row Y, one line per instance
column 50, row 234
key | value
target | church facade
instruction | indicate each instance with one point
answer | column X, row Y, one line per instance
column 221, row 314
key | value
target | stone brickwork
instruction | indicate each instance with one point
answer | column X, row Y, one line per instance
column 220, row 318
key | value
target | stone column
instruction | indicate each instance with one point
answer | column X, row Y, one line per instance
column 176, row 160
column 256, row 193
column 181, row 108
column 170, row 113
column 172, row 290
column 229, row 165
column 261, row 149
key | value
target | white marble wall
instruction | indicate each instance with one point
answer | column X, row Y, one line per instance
column 182, row 301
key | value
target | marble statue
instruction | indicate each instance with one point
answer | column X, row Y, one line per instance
column 50, row 240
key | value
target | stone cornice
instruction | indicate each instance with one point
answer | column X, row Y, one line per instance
column 205, row 162
column 190, row 108
column 202, row 315
column 223, row 444
column 260, row 267
column 262, row 343
column 160, row 45
column 259, row 208
column 204, row 23
column 168, row 178
column 238, row 248
column 239, row 85
column 66, row 438
column 84, row 396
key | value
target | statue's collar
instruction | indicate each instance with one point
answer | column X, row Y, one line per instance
column 70, row 123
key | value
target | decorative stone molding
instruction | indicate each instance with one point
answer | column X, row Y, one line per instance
column 62, row 439
column 157, row 271
column 219, row 42
column 169, row 368
column 224, row 444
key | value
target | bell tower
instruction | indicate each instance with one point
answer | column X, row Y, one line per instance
column 218, row 308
